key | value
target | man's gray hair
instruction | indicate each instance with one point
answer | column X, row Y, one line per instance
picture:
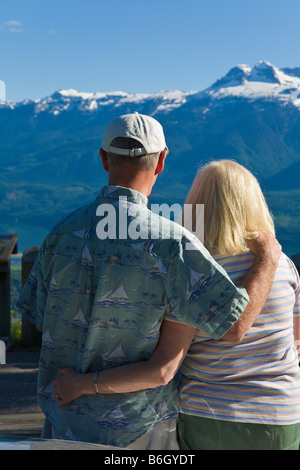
column 143, row 162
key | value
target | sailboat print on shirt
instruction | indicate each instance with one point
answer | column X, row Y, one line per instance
column 114, row 419
column 83, row 234
column 119, row 293
column 79, row 319
column 115, row 357
column 32, row 280
column 159, row 271
column 198, row 282
column 115, row 297
column 80, row 233
column 193, row 282
column 87, row 262
column 47, row 391
column 47, row 340
column 70, row 435
column 53, row 287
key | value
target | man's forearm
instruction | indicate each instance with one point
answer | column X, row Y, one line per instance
column 257, row 282
column 123, row 379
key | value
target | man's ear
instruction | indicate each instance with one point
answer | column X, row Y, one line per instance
column 103, row 156
column 161, row 162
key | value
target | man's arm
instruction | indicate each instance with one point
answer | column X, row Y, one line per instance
column 257, row 283
column 175, row 339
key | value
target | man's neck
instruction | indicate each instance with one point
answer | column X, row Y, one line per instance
column 142, row 185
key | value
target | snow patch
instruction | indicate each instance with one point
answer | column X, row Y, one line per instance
column 264, row 80
column 64, row 100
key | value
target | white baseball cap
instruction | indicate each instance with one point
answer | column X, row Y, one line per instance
column 142, row 128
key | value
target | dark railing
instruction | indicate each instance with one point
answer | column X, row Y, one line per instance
column 8, row 246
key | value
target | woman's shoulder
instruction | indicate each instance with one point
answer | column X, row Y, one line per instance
column 233, row 259
column 242, row 261
column 286, row 264
column 235, row 265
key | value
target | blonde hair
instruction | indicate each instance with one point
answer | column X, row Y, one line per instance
column 234, row 206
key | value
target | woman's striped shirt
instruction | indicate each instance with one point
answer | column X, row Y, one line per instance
column 258, row 379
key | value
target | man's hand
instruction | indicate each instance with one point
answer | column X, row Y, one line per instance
column 265, row 247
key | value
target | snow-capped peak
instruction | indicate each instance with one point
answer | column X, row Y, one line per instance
column 264, row 80
column 236, row 76
column 64, row 100
column 264, row 72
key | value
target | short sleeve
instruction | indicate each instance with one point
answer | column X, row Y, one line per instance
column 33, row 297
column 200, row 292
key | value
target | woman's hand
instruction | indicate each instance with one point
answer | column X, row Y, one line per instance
column 71, row 385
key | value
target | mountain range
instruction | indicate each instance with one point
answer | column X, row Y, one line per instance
column 49, row 147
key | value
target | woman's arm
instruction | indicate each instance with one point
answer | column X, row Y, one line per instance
column 175, row 339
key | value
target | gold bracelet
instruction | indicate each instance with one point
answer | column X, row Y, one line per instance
column 95, row 382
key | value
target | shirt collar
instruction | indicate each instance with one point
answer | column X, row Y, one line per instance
column 114, row 192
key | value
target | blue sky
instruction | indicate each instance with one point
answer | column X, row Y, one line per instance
column 139, row 46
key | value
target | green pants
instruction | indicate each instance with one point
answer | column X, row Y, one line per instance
column 196, row 433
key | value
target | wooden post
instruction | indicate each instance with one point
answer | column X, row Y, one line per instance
column 30, row 335
column 8, row 245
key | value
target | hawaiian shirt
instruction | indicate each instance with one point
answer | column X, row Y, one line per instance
column 105, row 278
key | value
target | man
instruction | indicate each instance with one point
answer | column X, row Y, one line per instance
column 106, row 279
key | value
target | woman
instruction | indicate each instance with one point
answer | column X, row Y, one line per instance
column 245, row 395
